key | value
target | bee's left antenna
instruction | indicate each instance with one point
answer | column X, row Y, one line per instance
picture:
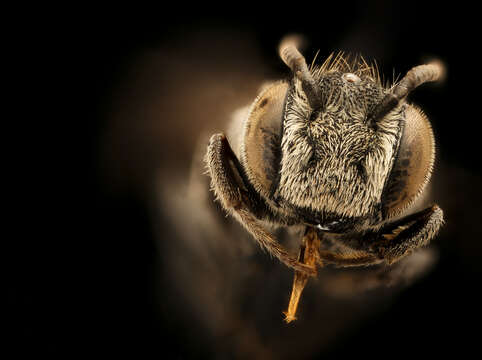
column 415, row 77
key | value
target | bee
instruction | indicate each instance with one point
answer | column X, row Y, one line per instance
column 336, row 152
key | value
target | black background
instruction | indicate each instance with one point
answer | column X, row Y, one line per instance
column 70, row 288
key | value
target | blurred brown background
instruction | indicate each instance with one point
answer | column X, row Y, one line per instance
column 131, row 272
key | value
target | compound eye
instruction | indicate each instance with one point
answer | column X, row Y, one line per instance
column 351, row 78
column 413, row 165
column 261, row 149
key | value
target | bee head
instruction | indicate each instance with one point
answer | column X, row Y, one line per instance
column 335, row 145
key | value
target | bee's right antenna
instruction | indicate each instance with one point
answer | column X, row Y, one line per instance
column 414, row 78
column 292, row 57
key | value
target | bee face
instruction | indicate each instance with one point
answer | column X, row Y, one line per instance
column 333, row 160
column 332, row 164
